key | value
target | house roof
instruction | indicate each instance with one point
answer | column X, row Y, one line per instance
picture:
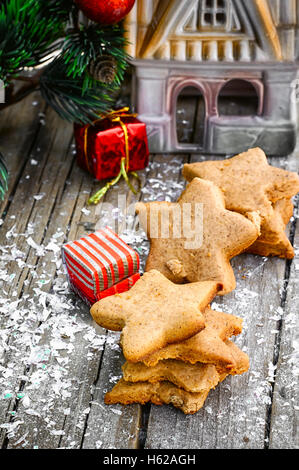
column 213, row 30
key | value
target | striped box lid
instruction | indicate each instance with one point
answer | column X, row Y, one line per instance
column 98, row 261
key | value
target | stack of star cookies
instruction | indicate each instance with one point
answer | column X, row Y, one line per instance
column 248, row 184
column 199, row 364
column 246, row 205
column 176, row 348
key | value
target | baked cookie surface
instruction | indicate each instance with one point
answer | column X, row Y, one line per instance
column 194, row 239
column 191, row 377
column 166, row 392
column 155, row 312
column 250, row 184
column 159, row 393
column 209, row 346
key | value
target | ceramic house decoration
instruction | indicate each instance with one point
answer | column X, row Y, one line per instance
column 220, row 48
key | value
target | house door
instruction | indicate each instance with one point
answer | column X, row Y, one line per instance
column 239, row 98
column 190, row 117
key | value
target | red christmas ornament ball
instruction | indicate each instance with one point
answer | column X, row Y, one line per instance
column 105, row 12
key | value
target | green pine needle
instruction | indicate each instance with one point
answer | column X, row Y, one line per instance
column 65, row 94
column 83, row 46
column 30, row 30
column 33, row 30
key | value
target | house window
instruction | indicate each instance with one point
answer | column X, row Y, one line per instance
column 238, row 98
column 217, row 15
column 214, row 13
column 210, row 16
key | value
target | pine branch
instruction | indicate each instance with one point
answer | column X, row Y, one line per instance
column 64, row 94
column 30, row 30
column 86, row 44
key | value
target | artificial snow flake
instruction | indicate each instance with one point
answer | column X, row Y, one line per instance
column 85, row 211
column 47, row 336
column 40, row 251
column 38, row 197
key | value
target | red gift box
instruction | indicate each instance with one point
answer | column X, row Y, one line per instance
column 118, row 288
column 100, row 264
column 101, row 145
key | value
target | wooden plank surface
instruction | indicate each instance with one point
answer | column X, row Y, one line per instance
column 41, row 192
column 24, row 120
column 237, row 412
column 53, row 406
column 121, row 424
column 284, row 419
column 55, row 364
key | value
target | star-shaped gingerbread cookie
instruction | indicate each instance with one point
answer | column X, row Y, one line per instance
column 250, row 184
column 191, row 377
column 159, row 393
column 209, row 346
column 276, row 242
column 194, row 239
column 166, row 392
column 154, row 312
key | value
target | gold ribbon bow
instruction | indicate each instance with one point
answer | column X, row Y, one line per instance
column 114, row 116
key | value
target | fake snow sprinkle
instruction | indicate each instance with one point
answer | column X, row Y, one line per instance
column 271, row 372
column 38, row 197
column 41, row 334
column 85, row 211
column 40, row 251
column 49, row 333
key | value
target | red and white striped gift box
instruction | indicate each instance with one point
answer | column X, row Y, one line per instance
column 118, row 288
column 100, row 264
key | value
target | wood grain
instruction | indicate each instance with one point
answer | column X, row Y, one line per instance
column 56, row 401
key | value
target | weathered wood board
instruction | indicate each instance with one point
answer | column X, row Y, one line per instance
column 238, row 413
column 55, row 364
column 284, row 419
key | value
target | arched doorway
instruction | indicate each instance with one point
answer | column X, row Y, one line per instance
column 190, row 116
column 239, row 98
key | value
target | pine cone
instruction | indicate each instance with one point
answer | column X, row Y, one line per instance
column 103, row 68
